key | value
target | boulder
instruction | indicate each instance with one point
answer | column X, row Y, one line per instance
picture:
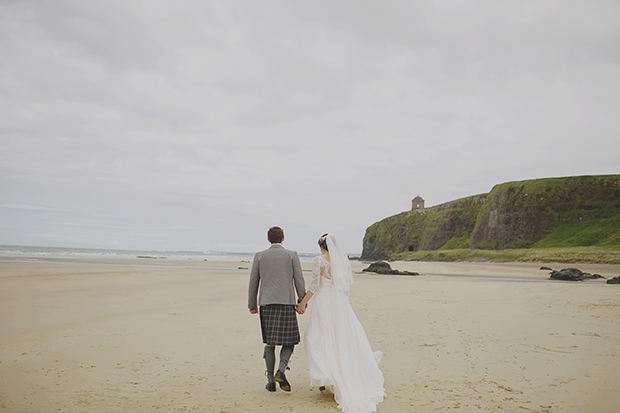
column 381, row 267
column 615, row 280
column 573, row 274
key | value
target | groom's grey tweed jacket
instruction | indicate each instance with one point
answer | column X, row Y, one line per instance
column 276, row 270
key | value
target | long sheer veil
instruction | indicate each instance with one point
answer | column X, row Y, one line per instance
column 342, row 275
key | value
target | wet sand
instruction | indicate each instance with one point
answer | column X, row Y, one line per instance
column 104, row 335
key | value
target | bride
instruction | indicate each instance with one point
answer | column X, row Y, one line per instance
column 337, row 349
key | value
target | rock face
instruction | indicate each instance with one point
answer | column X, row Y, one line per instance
column 512, row 215
column 615, row 280
column 573, row 274
column 381, row 267
column 518, row 214
column 446, row 224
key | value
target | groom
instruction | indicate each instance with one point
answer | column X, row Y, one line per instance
column 275, row 271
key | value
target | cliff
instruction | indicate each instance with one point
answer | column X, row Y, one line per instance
column 540, row 213
column 446, row 225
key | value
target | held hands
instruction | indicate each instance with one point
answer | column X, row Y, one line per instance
column 303, row 303
column 300, row 308
column 253, row 310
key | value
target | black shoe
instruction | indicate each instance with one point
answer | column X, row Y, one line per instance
column 281, row 378
column 271, row 386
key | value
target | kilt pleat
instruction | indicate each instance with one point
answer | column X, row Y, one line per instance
column 279, row 325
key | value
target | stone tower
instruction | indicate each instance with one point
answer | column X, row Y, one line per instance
column 417, row 204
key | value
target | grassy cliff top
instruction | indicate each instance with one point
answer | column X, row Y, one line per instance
column 593, row 255
column 567, row 219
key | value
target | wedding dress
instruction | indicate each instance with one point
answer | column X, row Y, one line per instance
column 338, row 353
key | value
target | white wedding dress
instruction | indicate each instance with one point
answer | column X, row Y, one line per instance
column 338, row 353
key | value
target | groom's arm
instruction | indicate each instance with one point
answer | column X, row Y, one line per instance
column 298, row 278
column 253, row 286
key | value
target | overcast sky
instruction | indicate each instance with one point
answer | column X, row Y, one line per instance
column 197, row 125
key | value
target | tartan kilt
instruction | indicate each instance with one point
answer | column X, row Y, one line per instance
column 278, row 324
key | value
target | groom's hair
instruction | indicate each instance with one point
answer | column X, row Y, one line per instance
column 275, row 235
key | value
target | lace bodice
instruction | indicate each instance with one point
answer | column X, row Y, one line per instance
column 321, row 274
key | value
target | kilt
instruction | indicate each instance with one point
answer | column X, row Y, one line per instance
column 278, row 324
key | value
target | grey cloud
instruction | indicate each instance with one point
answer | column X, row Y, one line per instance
column 233, row 116
column 33, row 207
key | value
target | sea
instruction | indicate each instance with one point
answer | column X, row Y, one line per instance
column 18, row 251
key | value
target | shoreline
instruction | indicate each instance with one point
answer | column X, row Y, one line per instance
column 512, row 269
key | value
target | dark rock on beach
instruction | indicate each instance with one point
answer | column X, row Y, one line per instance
column 381, row 267
column 573, row 274
column 615, row 280
column 546, row 269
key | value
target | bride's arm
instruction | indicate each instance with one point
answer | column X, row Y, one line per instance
column 301, row 307
column 314, row 286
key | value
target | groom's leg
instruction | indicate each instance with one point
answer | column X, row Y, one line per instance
column 280, row 377
column 270, row 361
column 285, row 356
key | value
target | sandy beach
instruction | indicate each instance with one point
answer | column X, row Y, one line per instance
column 136, row 335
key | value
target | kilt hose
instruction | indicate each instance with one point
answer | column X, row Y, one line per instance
column 278, row 324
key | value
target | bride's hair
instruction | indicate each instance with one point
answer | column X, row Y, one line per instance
column 323, row 242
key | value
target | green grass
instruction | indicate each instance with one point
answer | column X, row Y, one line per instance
column 598, row 232
column 594, row 255
column 457, row 243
